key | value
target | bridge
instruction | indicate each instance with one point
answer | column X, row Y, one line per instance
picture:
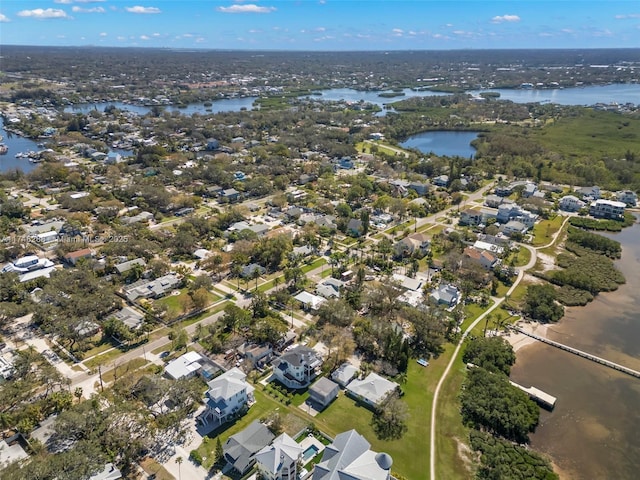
column 580, row 353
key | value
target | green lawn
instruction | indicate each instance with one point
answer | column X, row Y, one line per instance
column 544, row 230
column 124, row 369
column 315, row 264
column 107, row 357
column 451, row 435
column 520, row 258
column 180, row 304
column 294, row 420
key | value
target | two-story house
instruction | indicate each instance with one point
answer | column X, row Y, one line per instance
column 227, row 394
column 413, row 243
column 298, row 367
column 607, row 209
column 481, row 257
column 278, row 461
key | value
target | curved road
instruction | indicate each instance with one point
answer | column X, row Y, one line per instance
column 532, row 262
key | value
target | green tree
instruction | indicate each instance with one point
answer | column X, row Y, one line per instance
column 494, row 354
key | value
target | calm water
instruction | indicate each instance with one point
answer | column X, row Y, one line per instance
column 627, row 93
column 594, row 431
column 443, row 143
column 351, row 95
column 217, row 106
column 16, row 144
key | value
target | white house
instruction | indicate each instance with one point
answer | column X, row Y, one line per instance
column 278, row 461
column 227, row 394
column 373, row 390
column 627, row 196
column 298, row 367
column 570, row 203
column 607, row 209
column 184, row 366
column 350, row 457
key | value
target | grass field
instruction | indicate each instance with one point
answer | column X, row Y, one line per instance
column 594, row 133
column 544, row 230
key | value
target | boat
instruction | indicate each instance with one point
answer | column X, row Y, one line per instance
column 3, row 148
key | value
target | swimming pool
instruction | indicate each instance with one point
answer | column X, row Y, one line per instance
column 310, row 452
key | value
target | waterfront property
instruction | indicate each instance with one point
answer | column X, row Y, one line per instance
column 372, row 390
column 607, row 209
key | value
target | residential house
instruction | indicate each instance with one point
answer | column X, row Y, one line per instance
column 330, row 288
column 249, row 270
column 470, row 217
column 345, row 163
column 629, row 197
column 323, row 392
column 73, row 257
column 420, row 188
column 417, row 243
column 240, row 449
column 309, row 301
column 570, row 203
column 488, row 246
column 344, row 374
column 183, row 212
column 303, row 251
column 124, row 267
column 441, row 181
column 515, row 212
column 607, row 209
column 503, row 190
column 446, row 294
column 494, row 201
column 279, row 460
column 257, row 354
column 140, row 217
column 227, row 395
column 529, row 189
column 212, row 144
column 152, row 288
column 350, row 457
column 109, row 472
column 293, row 213
column 185, row 366
column 201, row 253
column 513, row 226
column 298, row 367
column 230, row 195
column 589, row 193
column 355, row 227
column 130, row 317
column 481, row 257
column 372, row 390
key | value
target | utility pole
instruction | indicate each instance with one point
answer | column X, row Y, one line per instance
column 100, row 376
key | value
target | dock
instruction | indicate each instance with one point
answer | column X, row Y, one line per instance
column 580, row 353
column 537, row 395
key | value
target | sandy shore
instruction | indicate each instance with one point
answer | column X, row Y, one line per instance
column 520, row 340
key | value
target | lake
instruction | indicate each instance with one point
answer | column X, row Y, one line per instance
column 618, row 93
column 16, row 144
column 444, row 143
column 593, row 430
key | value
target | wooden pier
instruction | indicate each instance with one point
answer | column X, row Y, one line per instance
column 580, row 353
column 537, row 395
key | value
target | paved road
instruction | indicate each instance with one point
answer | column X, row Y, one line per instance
column 521, row 272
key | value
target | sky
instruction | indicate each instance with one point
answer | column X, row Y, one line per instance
column 325, row 25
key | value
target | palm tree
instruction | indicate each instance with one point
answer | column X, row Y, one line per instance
column 179, row 462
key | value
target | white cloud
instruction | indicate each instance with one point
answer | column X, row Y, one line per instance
column 64, row 2
column 69, row 2
column 103, row 34
column 88, row 10
column 144, row 37
column 156, row 34
column 320, row 29
column 121, row 38
column 628, row 15
column 253, row 30
column 505, row 18
column 248, row 8
column 43, row 13
column 397, row 30
column 143, row 10
column 4, row 18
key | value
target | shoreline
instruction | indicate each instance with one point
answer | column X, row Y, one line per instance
column 519, row 340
